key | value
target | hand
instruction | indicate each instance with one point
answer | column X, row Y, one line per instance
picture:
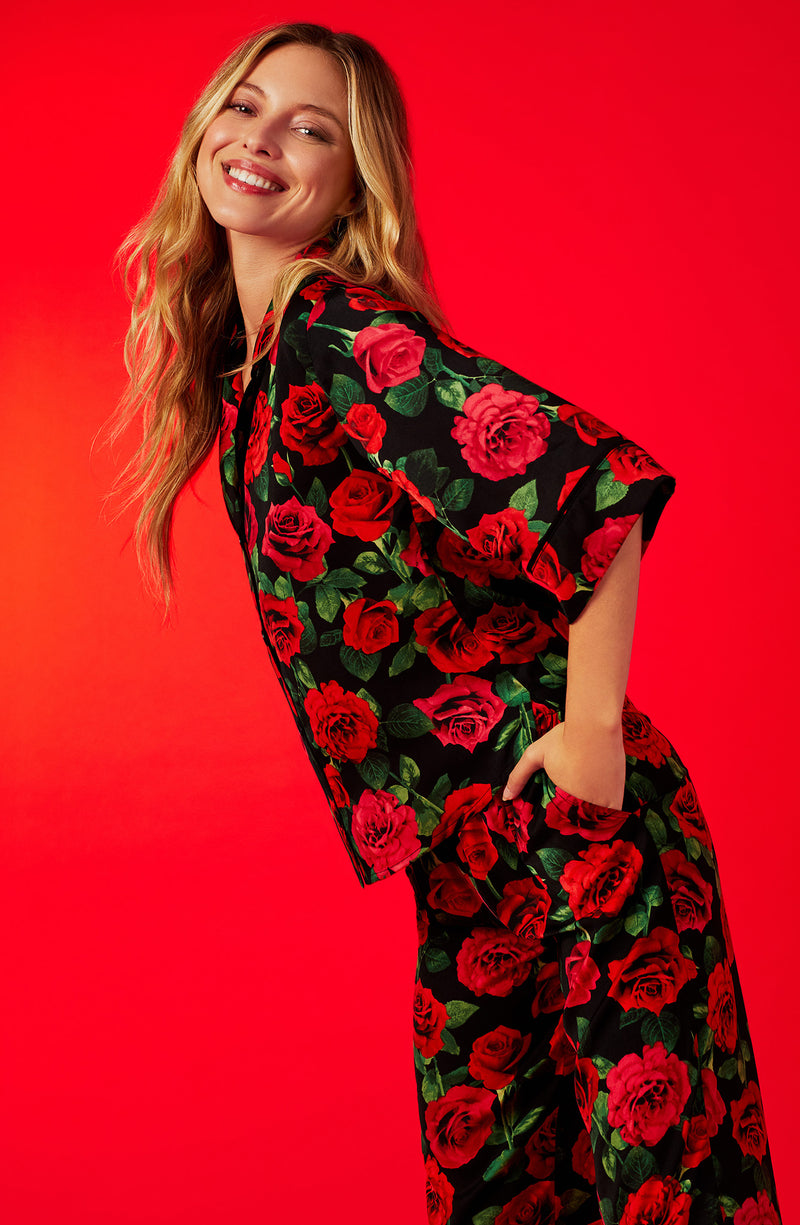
column 590, row 766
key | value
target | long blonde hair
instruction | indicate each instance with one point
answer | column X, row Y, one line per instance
column 180, row 282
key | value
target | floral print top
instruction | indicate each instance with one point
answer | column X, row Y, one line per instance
column 420, row 526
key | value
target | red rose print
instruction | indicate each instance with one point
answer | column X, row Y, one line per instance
column 569, row 815
column 515, row 633
column 452, row 892
column 696, row 1142
column 423, row 926
column 583, row 1158
column 371, row 625
column 280, row 466
column 758, row 1211
column 712, row 1098
column 722, row 1007
column 460, row 804
column 492, row 961
column 501, row 432
column 309, row 425
column 430, row 1018
column 601, row 879
column 413, row 554
column 251, row 523
column 747, row 1117
column 389, row 354
column 652, row 974
column 659, row 1201
column 536, row 1205
column 385, row 831
column 421, row 507
column 691, row 895
column 510, row 818
column 258, row 441
column 463, row 712
column 458, row 1124
column 523, row 908
column 366, row 425
column 582, row 974
column 283, row 625
column 505, row 541
column 362, row 504
column 647, row 1093
column 686, row 808
column 600, row 547
column 562, row 1050
column 451, row 644
column 541, row 1149
column 364, row 298
column 496, row 1056
column 587, row 427
column 438, row 1194
column 475, row 848
column 546, row 570
column 456, row 345
column 587, row 1085
column 342, row 723
column 640, row 739
column 630, row 463
column 544, row 717
column 570, row 481
column 296, row 539
column 549, row 996
column 340, row 797
column 460, row 558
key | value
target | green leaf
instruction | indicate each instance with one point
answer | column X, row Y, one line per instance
column 712, row 954
column 371, row 563
column 427, row 817
column 487, row 1216
column 343, row 579
column 509, row 854
column 459, row 1011
column 330, row 638
column 458, row 494
column 637, row 922
column 603, row 1066
column 529, row 1121
column 526, row 499
column 261, row 486
column 283, row 587
column 643, row 787
column 572, row 1199
column 327, row 601
column 449, row 392
column 432, row 361
column 400, row 791
column 456, row 1077
column 639, row 1165
column 663, row 1028
column 653, row 896
column 634, row 1016
column 507, row 732
column 489, row 367
column 402, row 659
column 553, row 861
column 408, row 770
column 609, row 491
column 436, row 960
column 431, row 1085
column 406, row 722
column 421, row 468
column 409, row 398
column 442, row 787
column 358, row 663
column 308, row 641
column 317, row 496
column 510, row 691
column 345, row 392
column 657, row 829
column 449, row 1043
column 609, row 1159
column 498, row 1165
column 427, row 594
column 374, row 769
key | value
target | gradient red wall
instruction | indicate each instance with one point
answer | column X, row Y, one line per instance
column 204, row 1018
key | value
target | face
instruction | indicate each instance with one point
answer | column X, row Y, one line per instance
column 277, row 163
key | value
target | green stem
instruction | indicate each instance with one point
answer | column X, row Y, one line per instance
column 411, row 791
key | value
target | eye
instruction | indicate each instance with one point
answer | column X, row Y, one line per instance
column 242, row 108
column 315, row 133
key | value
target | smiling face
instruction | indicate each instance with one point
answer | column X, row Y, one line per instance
column 277, row 164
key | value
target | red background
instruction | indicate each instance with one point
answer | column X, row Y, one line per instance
column 205, row 1019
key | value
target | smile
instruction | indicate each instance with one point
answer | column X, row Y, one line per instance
column 252, row 180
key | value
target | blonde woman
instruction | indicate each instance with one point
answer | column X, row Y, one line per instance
column 444, row 561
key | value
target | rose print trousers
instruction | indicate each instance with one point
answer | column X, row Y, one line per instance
column 581, row 1044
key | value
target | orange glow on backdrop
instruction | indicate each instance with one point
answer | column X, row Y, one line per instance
column 204, row 1018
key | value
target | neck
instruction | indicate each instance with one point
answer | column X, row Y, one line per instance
column 256, row 263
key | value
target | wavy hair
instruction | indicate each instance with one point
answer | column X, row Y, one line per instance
column 180, row 282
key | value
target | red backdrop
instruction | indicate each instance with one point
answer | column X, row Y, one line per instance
column 205, row 1019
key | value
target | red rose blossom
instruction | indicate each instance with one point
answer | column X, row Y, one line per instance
column 492, row 961
column 366, row 425
column 371, row 625
column 505, row 541
column 385, row 831
column 496, row 1056
column 549, row 997
column 536, row 1205
column 251, row 524
column 342, row 723
column 296, row 539
column 309, row 425
column 652, row 974
column 640, row 739
column 258, row 442
column 691, row 895
column 501, row 432
column 601, row 546
column 588, row 427
column 430, row 1018
column 547, row 570
column 463, row 712
column 695, row 1141
column 587, row 1085
column 712, row 1098
column 583, row 1158
column 562, row 1051
column 569, row 815
column 515, row 633
column 452, row 892
column 722, row 1007
column 475, row 847
column 452, row 646
column 458, row 1124
column 365, row 298
column 582, row 974
column 389, row 354
column 459, row 805
column 413, row 554
column 458, row 557
column 438, row 1194
column 601, row 879
column 570, row 482
column 523, row 908
column 630, row 463
column 647, row 1094
column 362, row 504
column 686, row 808
column 282, row 622
column 340, row 797
column 541, row 1148
column 747, row 1117
column 510, row 819
column 758, row 1211
column 659, row 1201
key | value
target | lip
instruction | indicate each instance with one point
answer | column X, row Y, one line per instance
column 249, row 167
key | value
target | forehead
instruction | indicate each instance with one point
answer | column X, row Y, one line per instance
column 301, row 74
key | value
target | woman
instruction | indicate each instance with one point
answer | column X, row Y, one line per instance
column 444, row 559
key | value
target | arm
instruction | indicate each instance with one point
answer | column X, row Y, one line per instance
column 584, row 754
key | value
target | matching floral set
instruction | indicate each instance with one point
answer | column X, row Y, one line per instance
column 420, row 526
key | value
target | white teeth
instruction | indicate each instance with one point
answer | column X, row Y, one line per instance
column 253, row 180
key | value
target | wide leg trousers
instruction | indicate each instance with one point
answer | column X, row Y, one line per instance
column 582, row 1051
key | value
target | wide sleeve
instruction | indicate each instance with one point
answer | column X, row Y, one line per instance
column 518, row 485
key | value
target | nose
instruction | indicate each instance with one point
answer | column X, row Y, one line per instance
column 262, row 138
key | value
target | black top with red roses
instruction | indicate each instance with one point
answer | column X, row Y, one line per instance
column 420, row 525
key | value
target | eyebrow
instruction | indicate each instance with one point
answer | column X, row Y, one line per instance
column 304, row 106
